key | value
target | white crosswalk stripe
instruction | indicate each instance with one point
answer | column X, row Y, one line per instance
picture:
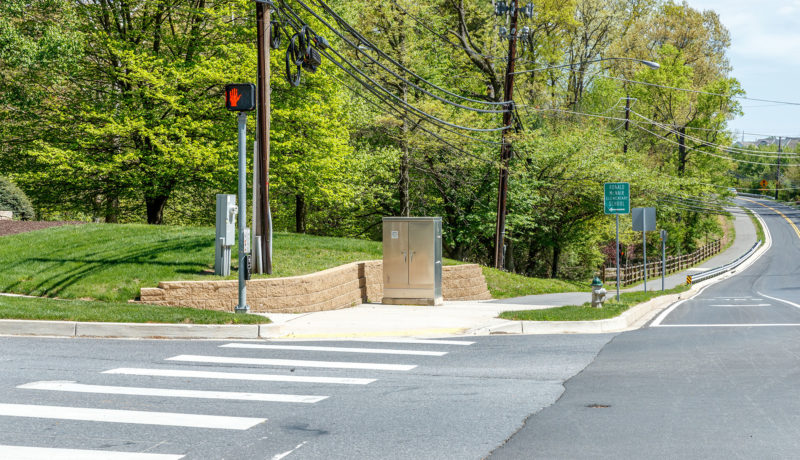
column 39, row 453
column 169, row 392
column 130, row 416
column 386, row 351
column 292, row 363
column 386, row 340
column 192, row 378
column 237, row 376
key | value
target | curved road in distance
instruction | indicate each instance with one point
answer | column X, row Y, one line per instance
column 717, row 376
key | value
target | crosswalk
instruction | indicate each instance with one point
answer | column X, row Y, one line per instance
column 255, row 365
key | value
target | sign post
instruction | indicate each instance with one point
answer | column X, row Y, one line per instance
column 644, row 220
column 241, row 97
column 663, row 257
column 617, row 200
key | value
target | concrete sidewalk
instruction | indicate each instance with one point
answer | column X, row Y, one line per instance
column 374, row 320
column 468, row 317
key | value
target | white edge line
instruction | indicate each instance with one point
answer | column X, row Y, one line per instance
column 37, row 453
column 734, row 325
column 779, row 300
column 747, row 264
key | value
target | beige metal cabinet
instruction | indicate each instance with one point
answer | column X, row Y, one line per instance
column 412, row 260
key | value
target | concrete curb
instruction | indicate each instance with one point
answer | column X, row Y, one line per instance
column 632, row 319
column 137, row 330
column 618, row 324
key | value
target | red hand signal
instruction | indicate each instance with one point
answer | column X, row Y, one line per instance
column 234, row 97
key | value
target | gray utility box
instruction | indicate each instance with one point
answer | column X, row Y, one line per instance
column 226, row 233
column 412, row 260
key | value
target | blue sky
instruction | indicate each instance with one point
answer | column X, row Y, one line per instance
column 765, row 55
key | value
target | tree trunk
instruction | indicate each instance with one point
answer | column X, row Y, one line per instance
column 111, row 210
column 554, row 264
column 155, row 209
column 299, row 213
column 682, row 152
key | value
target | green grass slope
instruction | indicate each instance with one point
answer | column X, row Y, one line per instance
column 111, row 262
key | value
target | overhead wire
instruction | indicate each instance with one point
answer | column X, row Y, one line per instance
column 389, row 93
column 366, row 42
column 714, row 154
column 401, row 115
column 711, row 144
column 403, row 79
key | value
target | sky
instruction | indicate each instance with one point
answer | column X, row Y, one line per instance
column 765, row 56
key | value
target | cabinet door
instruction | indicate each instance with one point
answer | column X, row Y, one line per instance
column 420, row 250
column 395, row 254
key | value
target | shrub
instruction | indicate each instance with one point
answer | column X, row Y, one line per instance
column 14, row 199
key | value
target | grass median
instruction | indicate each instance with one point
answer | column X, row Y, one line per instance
column 115, row 312
column 586, row 312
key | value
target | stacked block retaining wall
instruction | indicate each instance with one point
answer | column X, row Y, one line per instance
column 339, row 287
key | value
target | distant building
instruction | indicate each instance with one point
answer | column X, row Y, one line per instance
column 787, row 143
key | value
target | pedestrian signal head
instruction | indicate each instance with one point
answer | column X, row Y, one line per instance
column 240, row 97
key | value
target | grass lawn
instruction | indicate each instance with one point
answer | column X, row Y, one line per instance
column 585, row 312
column 503, row 285
column 111, row 262
column 117, row 312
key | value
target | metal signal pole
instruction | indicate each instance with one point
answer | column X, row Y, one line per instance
column 263, row 225
column 505, row 148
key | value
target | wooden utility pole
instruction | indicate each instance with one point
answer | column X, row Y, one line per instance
column 505, row 148
column 263, row 216
column 778, row 175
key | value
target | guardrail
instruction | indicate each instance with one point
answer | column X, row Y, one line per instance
column 755, row 195
column 633, row 273
column 725, row 268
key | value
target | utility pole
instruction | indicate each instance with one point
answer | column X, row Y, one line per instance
column 505, row 148
column 627, row 122
column 263, row 225
column 778, row 175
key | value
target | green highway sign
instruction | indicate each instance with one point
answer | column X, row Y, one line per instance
column 617, row 198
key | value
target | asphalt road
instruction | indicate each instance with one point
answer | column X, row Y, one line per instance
column 445, row 399
column 714, row 377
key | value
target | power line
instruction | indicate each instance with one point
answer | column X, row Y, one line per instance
column 713, row 154
column 687, row 90
column 375, row 83
column 403, row 79
column 710, row 144
column 366, row 42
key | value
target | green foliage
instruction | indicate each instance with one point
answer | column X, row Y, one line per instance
column 14, row 199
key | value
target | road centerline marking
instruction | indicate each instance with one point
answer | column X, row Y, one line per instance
column 130, row 416
column 237, row 376
column 292, row 362
column 796, row 230
column 387, row 351
column 169, row 392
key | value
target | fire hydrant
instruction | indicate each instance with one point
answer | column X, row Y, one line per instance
column 598, row 293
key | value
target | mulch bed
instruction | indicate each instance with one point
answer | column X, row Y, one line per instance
column 10, row 227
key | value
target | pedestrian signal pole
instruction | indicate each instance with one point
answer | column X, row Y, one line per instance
column 240, row 97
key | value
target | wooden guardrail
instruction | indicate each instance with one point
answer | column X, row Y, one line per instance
column 632, row 273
